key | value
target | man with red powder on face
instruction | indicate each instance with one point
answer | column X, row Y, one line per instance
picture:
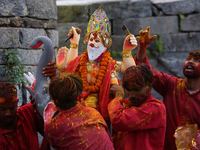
column 139, row 122
column 18, row 127
column 180, row 96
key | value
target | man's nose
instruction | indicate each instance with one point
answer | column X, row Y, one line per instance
column 8, row 112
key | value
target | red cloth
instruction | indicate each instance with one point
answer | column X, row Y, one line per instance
column 138, row 128
column 104, row 98
column 79, row 127
column 181, row 106
column 25, row 137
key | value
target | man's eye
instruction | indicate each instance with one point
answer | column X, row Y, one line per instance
column 188, row 58
column 91, row 39
column 1, row 109
column 97, row 41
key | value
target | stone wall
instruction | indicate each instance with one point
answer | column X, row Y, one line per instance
column 177, row 23
column 20, row 22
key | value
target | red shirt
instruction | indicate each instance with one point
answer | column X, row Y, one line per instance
column 25, row 137
column 182, row 107
column 79, row 127
column 138, row 128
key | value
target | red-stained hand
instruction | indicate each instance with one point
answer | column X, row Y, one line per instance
column 50, row 70
column 144, row 38
column 130, row 43
column 116, row 91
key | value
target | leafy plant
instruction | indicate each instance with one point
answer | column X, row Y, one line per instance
column 159, row 45
column 14, row 68
column 181, row 16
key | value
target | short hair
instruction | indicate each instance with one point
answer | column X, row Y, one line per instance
column 9, row 91
column 195, row 53
column 65, row 89
column 137, row 77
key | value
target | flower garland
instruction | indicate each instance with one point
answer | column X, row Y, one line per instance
column 102, row 70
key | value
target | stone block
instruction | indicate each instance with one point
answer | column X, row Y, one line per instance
column 16, row 22
column 73, row 14
column 42, row 9
column 64, row 28
column 33, row 23
column 30, row 57
column 158, row 25
column 4, row 22
column 181, row 42
column 177, row 7
column 175, row 61
column 191, row 23
column 117, row 43
column 198, row 5
column 27, row 35
column 50, row 24
column 13, row 8
column 2, row 57
column 9, row 37
column 124, row 9
column 53, row 35
column 3, row 76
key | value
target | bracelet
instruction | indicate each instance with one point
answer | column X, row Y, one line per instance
column 126, row 54
column 62, row 69
column 73, row 45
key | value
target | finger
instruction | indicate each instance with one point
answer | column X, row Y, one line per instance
column 148, row 29
column 51, row 63
column 145, row 33
column 70, row 33
column 153, row 37
column 138, row 37
column 141, row 32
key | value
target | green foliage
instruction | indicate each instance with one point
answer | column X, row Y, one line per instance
column 181, row 16
column 14, row 68
column 159, row 45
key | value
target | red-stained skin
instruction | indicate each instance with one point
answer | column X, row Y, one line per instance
column 136, row 98
column 8, row 114
column 191, row 67
column 94, row 40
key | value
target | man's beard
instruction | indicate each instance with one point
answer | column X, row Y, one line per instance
column 95, row 52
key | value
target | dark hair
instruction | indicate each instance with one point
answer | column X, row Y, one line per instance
column 195, row 53
column 8, row 90
column 137, row 77
column 65, row 89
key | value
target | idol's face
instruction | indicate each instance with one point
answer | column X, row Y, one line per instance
column 8, row 114
column 94, row 40
column 136, row 98
column 191, row 67
column 95, row 47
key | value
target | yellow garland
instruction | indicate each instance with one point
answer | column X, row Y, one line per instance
column 83, row 71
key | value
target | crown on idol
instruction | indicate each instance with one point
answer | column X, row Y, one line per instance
column 100, row 24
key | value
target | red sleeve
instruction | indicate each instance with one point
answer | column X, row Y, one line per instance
column 135, row 118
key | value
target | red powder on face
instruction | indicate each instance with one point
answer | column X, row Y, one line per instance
column 95, row 35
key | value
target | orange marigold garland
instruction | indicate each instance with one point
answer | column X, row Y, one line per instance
column 102, row 71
